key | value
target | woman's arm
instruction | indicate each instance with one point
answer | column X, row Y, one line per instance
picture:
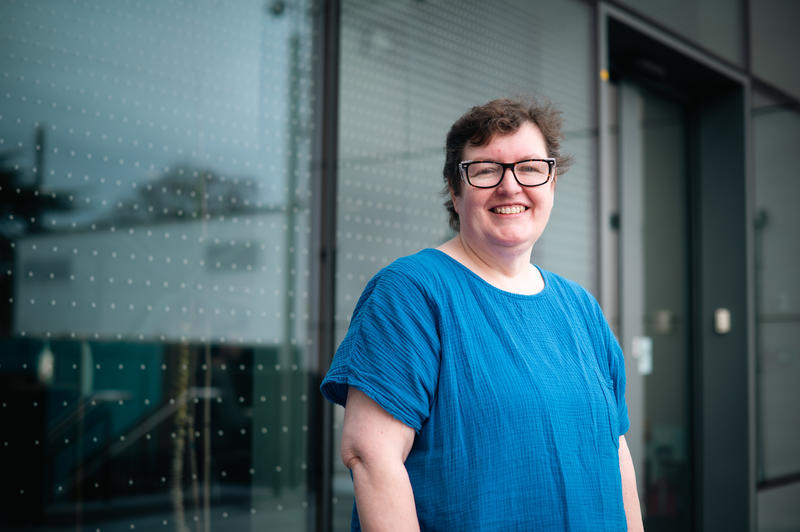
column 374, row 447
column 630, row 497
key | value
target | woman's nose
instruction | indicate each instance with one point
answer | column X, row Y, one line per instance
column 508, row 182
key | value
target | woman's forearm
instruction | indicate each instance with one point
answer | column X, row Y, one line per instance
column 384, row 497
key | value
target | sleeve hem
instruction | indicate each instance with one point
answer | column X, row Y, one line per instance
column 334, row 388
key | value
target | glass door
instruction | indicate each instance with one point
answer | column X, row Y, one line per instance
column 654, row 298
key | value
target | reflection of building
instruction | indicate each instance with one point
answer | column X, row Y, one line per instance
column 180, row 281
column 167, row 326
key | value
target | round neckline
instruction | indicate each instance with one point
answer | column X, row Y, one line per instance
column 492, row 287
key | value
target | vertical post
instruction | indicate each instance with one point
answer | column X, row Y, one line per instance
column 750, row 243
column 288, row 354
column 725, row 373
column 603, row 156
column 40, row 139
column 324, row 260
column 39, row 143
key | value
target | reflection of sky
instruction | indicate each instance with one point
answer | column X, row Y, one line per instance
column 128, row 92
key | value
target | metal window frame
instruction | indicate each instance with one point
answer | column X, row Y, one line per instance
column 323, row 260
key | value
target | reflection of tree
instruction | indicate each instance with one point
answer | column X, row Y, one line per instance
column 187, row 192
column 23, row 205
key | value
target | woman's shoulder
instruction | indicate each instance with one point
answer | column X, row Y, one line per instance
column 420, row 272
column 423, row 261
column 424, row 266
column 568, row 289
column 407, row 286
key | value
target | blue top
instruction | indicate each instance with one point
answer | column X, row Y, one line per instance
column 517, row 400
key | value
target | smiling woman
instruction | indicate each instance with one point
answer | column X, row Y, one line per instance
column 481, row 391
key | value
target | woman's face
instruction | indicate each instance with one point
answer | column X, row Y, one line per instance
column 508, row 217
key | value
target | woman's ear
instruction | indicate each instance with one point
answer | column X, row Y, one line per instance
column 453, row 198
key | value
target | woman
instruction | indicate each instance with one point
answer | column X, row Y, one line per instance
column 482, row 392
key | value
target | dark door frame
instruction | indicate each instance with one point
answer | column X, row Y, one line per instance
column 722, row 270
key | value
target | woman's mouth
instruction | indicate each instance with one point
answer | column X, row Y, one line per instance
column 509, row 209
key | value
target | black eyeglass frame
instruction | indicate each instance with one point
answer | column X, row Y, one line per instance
column 551, row 169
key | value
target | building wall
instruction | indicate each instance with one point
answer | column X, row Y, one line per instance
column 157, row 330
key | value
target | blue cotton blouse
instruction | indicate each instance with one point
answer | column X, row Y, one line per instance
column 517, row 400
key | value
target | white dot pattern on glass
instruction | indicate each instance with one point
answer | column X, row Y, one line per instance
column 408, row 70
column 158, row 161
column 405, row 78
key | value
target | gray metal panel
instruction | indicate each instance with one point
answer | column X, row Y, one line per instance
column 723, row 394
column 605, row 284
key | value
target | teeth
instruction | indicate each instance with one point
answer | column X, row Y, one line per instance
column 516, row 209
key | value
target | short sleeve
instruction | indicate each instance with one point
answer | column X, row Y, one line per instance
column 616, row 363
column 617, row 371
column 391, row 351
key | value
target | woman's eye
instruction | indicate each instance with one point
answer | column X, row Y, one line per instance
column 532, row 168
column 483, row 171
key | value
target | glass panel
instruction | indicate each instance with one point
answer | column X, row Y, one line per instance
column 776, row 135
column 655, row 300
column 408, row 70
column 716, row 25
column 666, row 319
column 154, row 264
column 773, row 34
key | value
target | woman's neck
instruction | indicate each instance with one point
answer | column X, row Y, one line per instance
column 509, row 269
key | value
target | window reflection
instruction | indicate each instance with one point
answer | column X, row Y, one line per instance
column 776, row 128
column 154, row 266
column 171, row 430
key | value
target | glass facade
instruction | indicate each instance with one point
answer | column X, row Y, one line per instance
column 154, row 243
column 776, row 130
column 157, row 252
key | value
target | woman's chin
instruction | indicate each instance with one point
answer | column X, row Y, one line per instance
column 513, row 240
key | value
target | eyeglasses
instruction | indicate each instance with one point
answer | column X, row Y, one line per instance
column 489, row 174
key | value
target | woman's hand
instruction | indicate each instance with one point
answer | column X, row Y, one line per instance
column 374, row 447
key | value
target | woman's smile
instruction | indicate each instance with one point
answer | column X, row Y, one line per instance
column 509, row 209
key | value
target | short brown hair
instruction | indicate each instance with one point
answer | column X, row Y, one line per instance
column 498, row 117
